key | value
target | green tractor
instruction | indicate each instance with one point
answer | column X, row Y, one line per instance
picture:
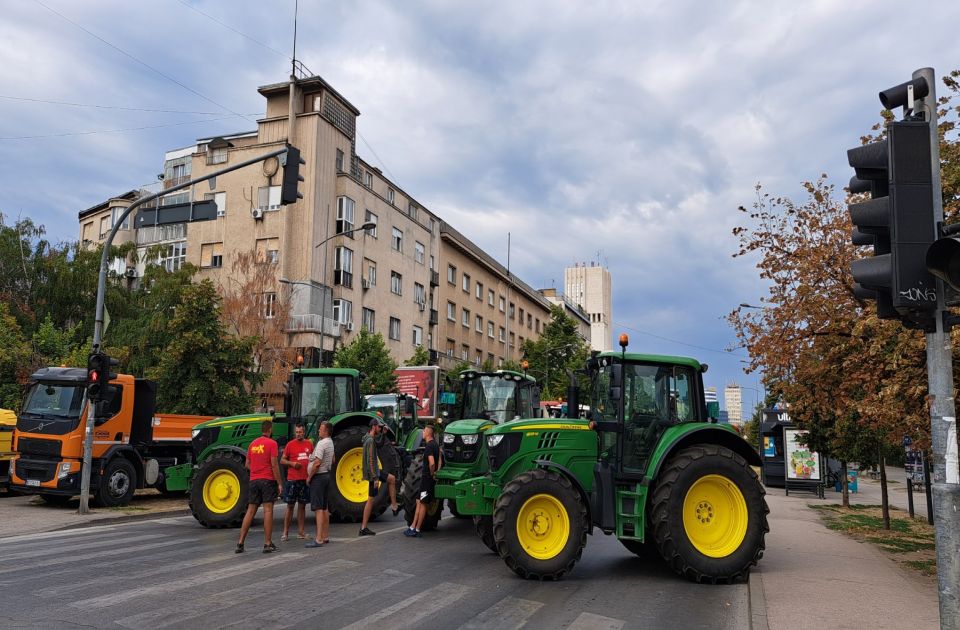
column 485, row 400
column 217, row 478
column 650, row 467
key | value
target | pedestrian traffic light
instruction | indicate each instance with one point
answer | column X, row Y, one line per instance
column 289, row 192
column 897, row 220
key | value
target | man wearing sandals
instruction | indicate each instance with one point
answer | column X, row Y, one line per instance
column 264, row 486
column 318, row 478
column 295, row 457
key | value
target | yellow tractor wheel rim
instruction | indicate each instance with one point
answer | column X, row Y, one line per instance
column 543, row 526
column 715, row 516
column 221, row 491
column 350, row 481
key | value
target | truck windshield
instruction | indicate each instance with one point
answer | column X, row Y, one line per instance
column 323, row 397
column 490, row 397
column 54, row 401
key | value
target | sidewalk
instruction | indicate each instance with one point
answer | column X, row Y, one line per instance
column 811, row 576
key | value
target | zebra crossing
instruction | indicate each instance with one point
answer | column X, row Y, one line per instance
column 170, row 574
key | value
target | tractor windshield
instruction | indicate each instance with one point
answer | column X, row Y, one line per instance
column 322, row 397
column 386, row 404
column 495, row 398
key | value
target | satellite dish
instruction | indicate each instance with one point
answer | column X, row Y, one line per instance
column 271, row 166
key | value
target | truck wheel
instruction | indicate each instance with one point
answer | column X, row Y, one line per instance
column 484, row 527
column 411, row 489
column 540, row 525
column 117, row 485
column 348, row 492
column 218, row 491
column 709, row 515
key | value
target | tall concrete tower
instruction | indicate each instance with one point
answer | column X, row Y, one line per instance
column 591, row 288
column 733, row 397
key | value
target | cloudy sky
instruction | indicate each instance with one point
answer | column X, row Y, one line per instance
column 620, row 132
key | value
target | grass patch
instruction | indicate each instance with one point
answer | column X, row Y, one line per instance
column 129, row 508
column 926, row 567
column 901, row 545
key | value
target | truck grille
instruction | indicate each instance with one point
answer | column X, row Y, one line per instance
column 33, row 446
column 460, row 453
column 40, row 471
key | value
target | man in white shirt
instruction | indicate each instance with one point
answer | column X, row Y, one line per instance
column 318, row 479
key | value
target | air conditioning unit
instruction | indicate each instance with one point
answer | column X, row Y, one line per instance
column 257, row 213
column 130, row 273
column 348, row 325
column 364, row 283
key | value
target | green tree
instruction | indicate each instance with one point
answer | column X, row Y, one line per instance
column 203, row 370
column 369, row 354
column 14, row 358
column 55, row 345
column 559, row 348
column 421, row 356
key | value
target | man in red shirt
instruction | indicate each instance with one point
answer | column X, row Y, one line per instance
column 296, row 456
column 264, row 485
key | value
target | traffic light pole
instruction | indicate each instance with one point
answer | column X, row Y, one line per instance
column 943, row 423
column 85, row 471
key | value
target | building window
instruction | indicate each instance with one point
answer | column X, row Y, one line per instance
column 368, row 179
column 418, row 252
column 339, row 161
column 490, row 297
column 115, row 213
column 512, row 339
column 268, row 251
column 105, row 226
column 412, row 210
column 466, row 283
column 417, row 336
column 512, row 310
column 503, row 304
column 173, row 256
column 369, row 319
column 503, row 337
column 211, row 255
column 451, row 311
column 521, row 316
column 479, row 357
column 397, row 240
column 465, row 352
column 217, row 156
column 451, row 344
column 343, row 267
column 419, row 293
column 479, row 290
column 391, row 195
column 372, row 273
column 344, row 214
column 268, row 198
column 219, row 198
column 370, row 217
column 433, row 263
column 342, row 311
column 394, row 329
column 268, row 305
column 451, row 274
column 396, row 283
column 431, row 224
column 538, row 326
column 465, row 319
column 479, row 324
column 490, row 329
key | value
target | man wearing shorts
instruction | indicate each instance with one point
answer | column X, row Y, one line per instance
column 373, row 475
column 264, row 486
column 425, row 495
column 296, row 456
column 318, row 478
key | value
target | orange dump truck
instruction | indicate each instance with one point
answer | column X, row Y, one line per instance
column 132, row 444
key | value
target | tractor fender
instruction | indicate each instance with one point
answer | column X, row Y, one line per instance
column 584, row 496
column 707, row 434
column 414, row 440
column 355, row 419
column 128, row 453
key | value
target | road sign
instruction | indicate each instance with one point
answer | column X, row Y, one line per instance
column 177, row 213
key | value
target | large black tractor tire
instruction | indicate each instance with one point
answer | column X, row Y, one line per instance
column 709, row 515
column 117, row 485
column 410, row 492
column 348, row 490
column 484, row 527
column 218, row 491
column 540, row 525
column 56, row 499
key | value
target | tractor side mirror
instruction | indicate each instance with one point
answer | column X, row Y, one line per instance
column 616, row 382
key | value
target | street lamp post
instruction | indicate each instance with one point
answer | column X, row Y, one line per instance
column 369, row 225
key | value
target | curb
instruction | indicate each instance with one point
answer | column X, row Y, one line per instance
column 757, row 602
column 124, row 518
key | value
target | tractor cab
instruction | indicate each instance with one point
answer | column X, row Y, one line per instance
column 319, row 394
column 497, row 396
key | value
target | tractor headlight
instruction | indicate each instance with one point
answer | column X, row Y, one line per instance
column 470, row 439
column 194, row 433
column 448, row 438
column 493, row 440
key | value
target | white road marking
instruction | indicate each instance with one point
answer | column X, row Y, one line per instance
column 422, row 606
column 590, row 621
column 509, row 613
column 72, row 546
column 95, row 556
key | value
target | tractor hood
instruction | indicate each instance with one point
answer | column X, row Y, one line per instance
column 542, row 424
column 229, row 420
column 466, row 427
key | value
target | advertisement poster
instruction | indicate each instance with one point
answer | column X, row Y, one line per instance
column 421, row 383
column 802, row 463
column 769, row 446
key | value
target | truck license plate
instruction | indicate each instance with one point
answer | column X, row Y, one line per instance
column 33, row 482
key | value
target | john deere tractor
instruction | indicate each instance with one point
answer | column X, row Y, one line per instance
column 485, row 399
column 217, row 479
column 650, row 467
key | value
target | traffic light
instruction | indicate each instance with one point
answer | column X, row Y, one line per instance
column 99, row 375
column 897, row 220
column 291, row 176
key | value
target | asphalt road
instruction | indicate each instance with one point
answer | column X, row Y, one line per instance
column 171, row 572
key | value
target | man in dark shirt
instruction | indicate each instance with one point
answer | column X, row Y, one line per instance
column 374, row 475
column 431, row 464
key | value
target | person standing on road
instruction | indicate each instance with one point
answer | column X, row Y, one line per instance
column 318, row 478
column 374, row 476
column 431, row 464
column 296, row 455
column 264, row 486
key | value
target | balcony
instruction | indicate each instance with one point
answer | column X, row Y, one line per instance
column 434, row 317
column 434, row 278
column 311, row 322
column 175, row 181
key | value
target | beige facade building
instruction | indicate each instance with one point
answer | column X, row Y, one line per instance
column 733, row 398
column 573, row 310
column 331, row 278
column 592, row 289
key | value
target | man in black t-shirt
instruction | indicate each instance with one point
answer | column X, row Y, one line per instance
column 431, row 464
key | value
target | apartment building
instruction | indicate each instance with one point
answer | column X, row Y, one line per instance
column 332, row 278
column 486, row 312
column 573, row 311
column 733, row 399
column 591, row 288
